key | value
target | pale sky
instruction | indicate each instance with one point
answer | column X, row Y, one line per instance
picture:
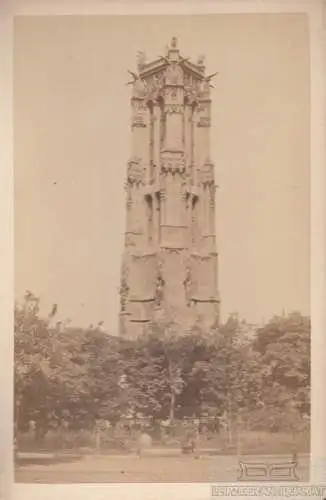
column 72, row 144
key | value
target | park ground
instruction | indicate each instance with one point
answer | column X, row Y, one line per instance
column 153, row 466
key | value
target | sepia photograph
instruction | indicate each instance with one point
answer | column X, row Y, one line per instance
column 162, row 249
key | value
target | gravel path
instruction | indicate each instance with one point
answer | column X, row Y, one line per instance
column 148, row 468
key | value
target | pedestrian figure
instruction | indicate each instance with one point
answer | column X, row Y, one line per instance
column 144, row 442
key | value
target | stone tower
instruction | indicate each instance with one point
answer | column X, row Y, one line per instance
column 170, row 258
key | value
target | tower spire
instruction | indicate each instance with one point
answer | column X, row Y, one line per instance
column 174, row 42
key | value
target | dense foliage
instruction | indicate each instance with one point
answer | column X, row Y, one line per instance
column 76, row 377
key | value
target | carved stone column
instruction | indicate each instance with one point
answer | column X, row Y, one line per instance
column 173, row 94
column 207, row 196
column 140, row 122
column 136, row 216
column 203, row 123
column 157, row 139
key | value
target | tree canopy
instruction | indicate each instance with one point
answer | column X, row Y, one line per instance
column 78, row 376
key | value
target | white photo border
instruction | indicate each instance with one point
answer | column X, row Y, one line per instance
column 316, row 11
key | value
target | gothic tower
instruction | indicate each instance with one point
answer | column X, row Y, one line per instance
column 170, row 258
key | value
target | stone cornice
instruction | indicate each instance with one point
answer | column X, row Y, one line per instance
column 172, row 249
column 173, row 162
column 162, row 63
column 144, row 299
column 209, row 300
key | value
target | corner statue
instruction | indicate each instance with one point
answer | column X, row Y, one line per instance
column 170, row 259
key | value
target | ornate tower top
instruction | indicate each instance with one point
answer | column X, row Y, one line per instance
column 171, row 69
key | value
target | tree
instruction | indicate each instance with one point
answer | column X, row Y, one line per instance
column 105, row 397
column 50, row 379
column 230, row 376
column 34, row 365
column 284, row 347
